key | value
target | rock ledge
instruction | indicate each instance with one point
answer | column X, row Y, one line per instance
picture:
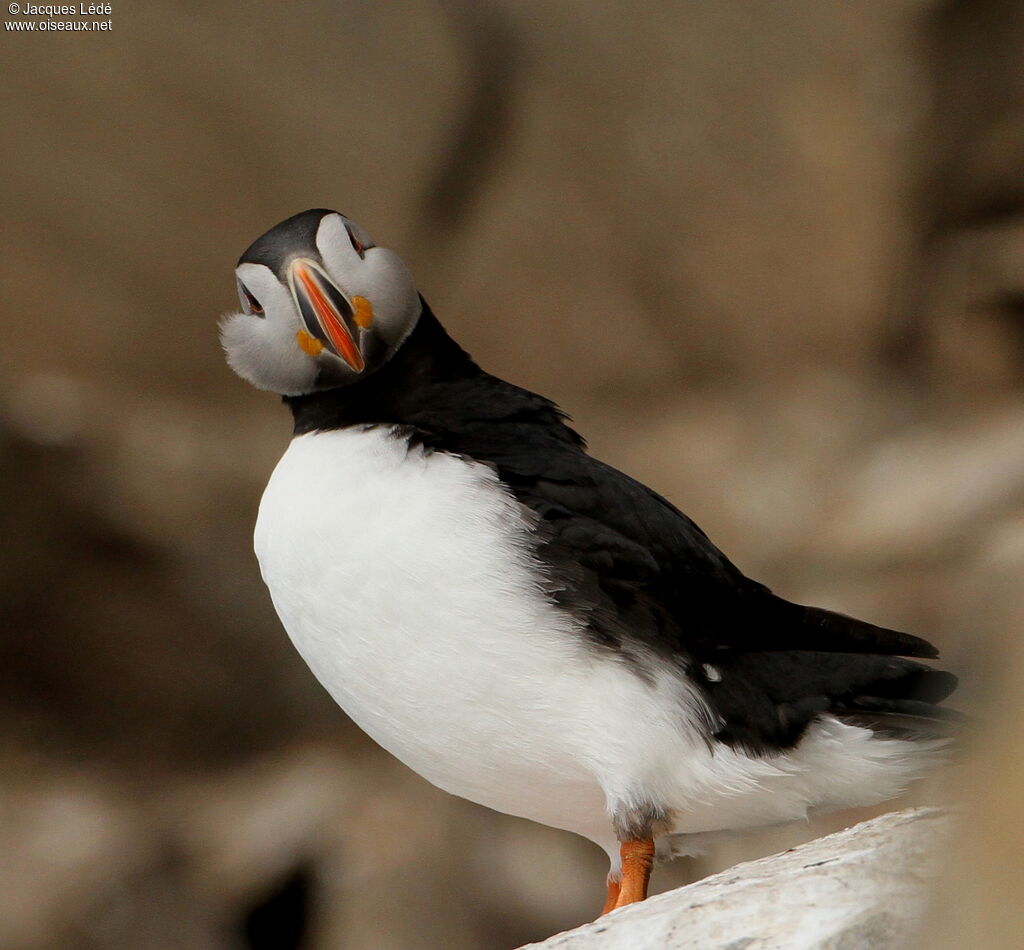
column 862, row 887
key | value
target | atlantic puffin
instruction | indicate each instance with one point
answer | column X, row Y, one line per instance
column 522, row 624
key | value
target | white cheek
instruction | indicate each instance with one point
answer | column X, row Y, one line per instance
column 266, row 354
column 340, row 258
column 386, row 282
column 263, row 284
column 380, row 276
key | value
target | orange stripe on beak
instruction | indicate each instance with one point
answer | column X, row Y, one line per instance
column 329, row 318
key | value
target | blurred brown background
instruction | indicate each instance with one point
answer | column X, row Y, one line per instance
column 768, row 253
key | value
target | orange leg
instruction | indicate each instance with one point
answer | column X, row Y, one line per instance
column 637, row 861
column 613, row 895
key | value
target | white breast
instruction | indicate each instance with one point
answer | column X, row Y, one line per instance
column 403, row 580
column 406, row 581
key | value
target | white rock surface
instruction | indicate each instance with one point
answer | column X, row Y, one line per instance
column 864, row 888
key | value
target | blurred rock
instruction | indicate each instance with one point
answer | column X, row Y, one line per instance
column 978, row 901
column 863, row 887
column 929, row 490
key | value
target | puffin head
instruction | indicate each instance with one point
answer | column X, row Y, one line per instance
column 322, row 306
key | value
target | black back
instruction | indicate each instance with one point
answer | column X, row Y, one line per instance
column 645, row 580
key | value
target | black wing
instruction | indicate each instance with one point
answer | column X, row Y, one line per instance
column 642, row 577
column 642, row 572
column 646, row 579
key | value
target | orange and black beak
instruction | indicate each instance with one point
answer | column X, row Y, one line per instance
column 326, row 312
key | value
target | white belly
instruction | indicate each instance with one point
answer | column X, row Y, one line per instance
column 405, row 581
column 402, row 579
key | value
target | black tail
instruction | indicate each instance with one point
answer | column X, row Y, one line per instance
column 902, row 718
column 813, row 628
column 766, row 699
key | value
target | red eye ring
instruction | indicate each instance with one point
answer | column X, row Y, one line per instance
column 357, row 245
column 249, row 303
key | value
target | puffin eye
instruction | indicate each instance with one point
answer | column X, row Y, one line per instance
column 250, row 304
column 357, row 245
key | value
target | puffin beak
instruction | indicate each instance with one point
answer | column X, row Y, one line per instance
column 326, row 312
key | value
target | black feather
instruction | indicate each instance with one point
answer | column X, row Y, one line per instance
column 644, row 579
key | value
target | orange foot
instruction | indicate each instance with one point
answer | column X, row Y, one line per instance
column 614, row 885
column 637, row 861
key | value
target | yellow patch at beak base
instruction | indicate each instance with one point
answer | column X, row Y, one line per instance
column 362, row 312
column 308, row 344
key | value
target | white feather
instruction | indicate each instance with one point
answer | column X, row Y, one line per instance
column 380, row 275
column 263, row 349
column 407, row 582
